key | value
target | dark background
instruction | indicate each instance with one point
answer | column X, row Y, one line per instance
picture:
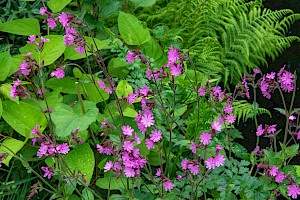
column 291, row 57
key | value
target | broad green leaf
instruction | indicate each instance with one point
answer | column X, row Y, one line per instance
column 71, row 54
column 81, row 160
column 129, row 112
column 118, row 197
column 282, row 111
column 65, row 85
column 180, row 111
column 152, row 49
column 87, row 194
column 113, row 183
column 143, row 3
column 5, row 65
column 51, row 52
column 57, row 5
column 92, row 91
column 25, row 26
column 109, row 8
column 15, row 65
column 132, row 30
column 23, row 117
column 68, row 119
column 117, row 68
column 123, row 89
column 10, row 146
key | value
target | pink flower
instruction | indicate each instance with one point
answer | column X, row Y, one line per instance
column 184, row 163
column 256, row 150
column 129, row 172
column 271, row 129
column 127, row 130
column 279, row 177
column 64, row 20
column 48, row 173
column 228, row 108
column 156, row 135
column 144, row 90
column 42, row 150
column 256, row 71
column 194, row 168
column 230, row 119
column 219, row 160
column 24, row 66
column 137, row 139
column 201, row 91
column 292, row 118
column 43, row 10
column 149, row 143
column 147, row 119
column 130, row 57
column 193, row 147
column 131, row 98
column 216, row 126
column 108, row 166
column 205, row 138
column 31, row 39
column 51, row 23
column 273, row 171
column 293, row 191
column 158, row 172
column 210, row 163
column 175, row 70
column 168, row 185
column 173, row 55
column 58, row 73
column 80, row 49
column 149, row 74
column 35, row 130
column 298, row 135
column 286, row 78
column 127, row 146
column 63, row 148
column 271, row 75
column 260, row 131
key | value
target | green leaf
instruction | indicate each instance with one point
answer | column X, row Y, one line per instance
column 81, row 160
column 143, row 3
column 87, row 194
column 68, row 119
column 117, row 68
column 65, row 85
column 129, row 112
column 152, row 49
column 51, row 52
column 5, row 65
column 123, row 89
column 71, row 54
column 93, row 92
column 1, row 107
column 10, row 146
column 113, row 183
column 180, row 111
column 57, row 5
column 23, row 117
column 282, row 111
column 15, row 65
column 25, row 26
column 132, row 30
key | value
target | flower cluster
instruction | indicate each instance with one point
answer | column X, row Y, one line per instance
column 268, row 82
column 166, row 183
column 215, row 161
column 269, row 129
column 58, row 73
column 47, row 147
column 71, row 38
column 17, row 90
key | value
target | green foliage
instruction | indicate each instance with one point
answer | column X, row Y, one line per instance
column 6, row 62
column 57, row 5
column 243, row 110
column 227, row 38
column 132, row 30
column 24, row 26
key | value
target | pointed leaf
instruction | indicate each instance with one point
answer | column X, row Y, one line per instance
column 26, row 26
column 143, row 3
column 132, row 30
column 57, row 5
column 10, row 146
column 5, row 65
